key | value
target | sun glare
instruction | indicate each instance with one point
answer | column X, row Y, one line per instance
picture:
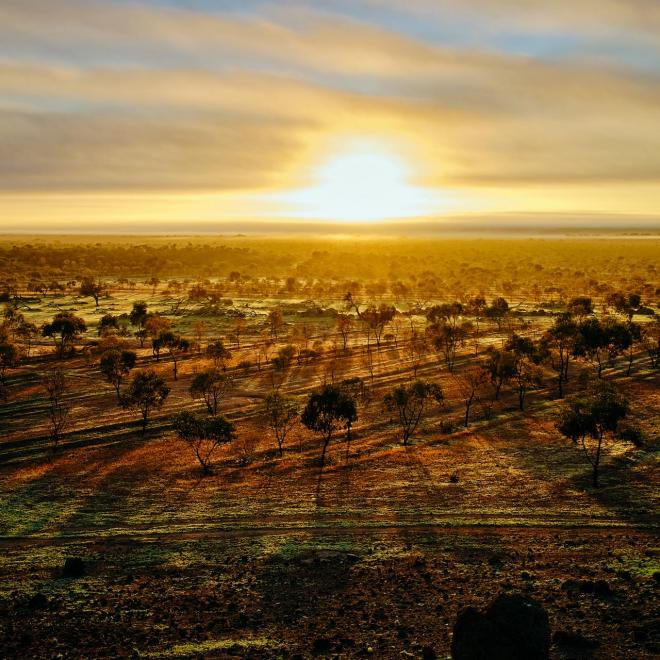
column 364, row 182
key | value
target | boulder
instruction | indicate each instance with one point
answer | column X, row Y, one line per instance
column 74, row 567
column 513, row 627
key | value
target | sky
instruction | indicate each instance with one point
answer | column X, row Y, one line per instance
column 164, row 115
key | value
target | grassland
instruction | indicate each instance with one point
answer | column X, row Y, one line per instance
column 271, row 557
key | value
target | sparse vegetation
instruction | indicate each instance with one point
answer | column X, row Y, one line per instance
column 248, row 361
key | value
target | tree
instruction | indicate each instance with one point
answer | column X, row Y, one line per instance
column 176, row 345
column 497, row 311
column 284, row 357
column 499, row 366
column 626, row 304
column 599, row 340
column 558, row 344
column 217, row 351
column 588, row 419
column 446, row 338
column 275, row 321
column 108, row 324
column 239, row 328
column 417, row 348
column 526, row 372
column 210, row 385
column 410, row 402
column 580, row 306
column 447, row 313
column 282, row 414
column 376, row 318
column 344, row 327
column 470, row 382
column 146, row 392
column 115, row 365
column 591, row 342
column 199, row 328
column 90, row 287
column 56, row 386
column 65, row 328
column 356, row 389
column 138, row 319
column 155, row 325
column 327, row 410
column 634, row 336
column 651, row 341
column 26, row 332
column 203, row 435
column 8, row 358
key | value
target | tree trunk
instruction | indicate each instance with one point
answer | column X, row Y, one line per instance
column 325, row 446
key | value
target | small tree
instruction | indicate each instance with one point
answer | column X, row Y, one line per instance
column 210, row 385
column 176, row 346
column 154, row 327
column 275, row 321
column 115, row 365
column 499, row 366
column 558, row 343
column 446, row 338
column 239, row 328
column 146, row 392
column 376, row 319
column 90, row 287
column 344, row 327
column 327, row 410
column 56, row 386
column 65, row 328
column 410, row 403
column 108, row 324
column 138, row 319
column 587, row 420
column 8, row 358
column 497, row 311
column 470, row 383
column 26, row 332
column 651, row 341
column 526, row 372
column 282, row 414
column 203, row 435
column 217, row 351
column 580, row 306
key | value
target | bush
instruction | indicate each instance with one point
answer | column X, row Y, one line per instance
column 245, row 447
column 630, row 432
column 447, row 426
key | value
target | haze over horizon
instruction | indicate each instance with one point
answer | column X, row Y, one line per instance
column 175, row 116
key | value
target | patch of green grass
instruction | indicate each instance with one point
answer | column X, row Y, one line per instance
column 192, row 649
column 641, row 567
column 292, row 548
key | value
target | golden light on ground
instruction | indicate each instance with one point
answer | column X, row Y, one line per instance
column 363, row 181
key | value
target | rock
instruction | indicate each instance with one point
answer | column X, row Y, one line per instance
column 74, row 567
column 512, row 628
column 321, row 645
column 602, row 589
column 573, row 644
column 38, row 602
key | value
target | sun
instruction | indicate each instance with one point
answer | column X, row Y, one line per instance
column 363, row 182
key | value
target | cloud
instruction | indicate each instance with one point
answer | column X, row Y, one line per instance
column 100, row 96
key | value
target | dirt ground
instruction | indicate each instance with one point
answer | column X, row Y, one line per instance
column 374, row 559
column 269, row 557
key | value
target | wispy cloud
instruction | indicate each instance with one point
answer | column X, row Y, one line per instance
column 111, row 96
